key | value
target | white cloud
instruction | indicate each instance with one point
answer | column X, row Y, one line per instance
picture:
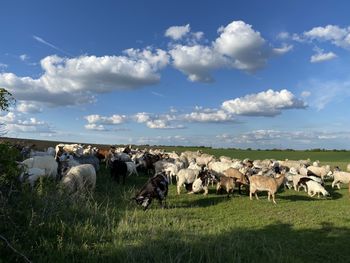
column 28, row 107
column 15, row 123
column 95, row 127
column 10, row 117
column 3, row 66
column 157, row 121
column 177, row 32
column 162, row 124
column 75, row 81
column 283, row 35
column 142, row 117
column 245, row 46
column 282, row 50
column 112, row 120
column 208, row 115
column 321, row 57
column 333, row 33
column 305, row 94
column 162, row 121
column 238, row 46
column 266, row 103
column 197, row 61
column 24, row 57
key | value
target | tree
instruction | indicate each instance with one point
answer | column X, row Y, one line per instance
column 6, row 100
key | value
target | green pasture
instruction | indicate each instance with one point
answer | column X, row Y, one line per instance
column 106, row 226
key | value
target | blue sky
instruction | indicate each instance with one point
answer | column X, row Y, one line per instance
column 258, row 74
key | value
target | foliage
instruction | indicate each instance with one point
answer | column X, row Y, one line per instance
column 9, row 171
column 6, row 99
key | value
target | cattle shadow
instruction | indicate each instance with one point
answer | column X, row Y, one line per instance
column 277, row 242
column 201, row 202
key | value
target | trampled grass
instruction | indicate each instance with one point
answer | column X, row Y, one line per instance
column 107, row 226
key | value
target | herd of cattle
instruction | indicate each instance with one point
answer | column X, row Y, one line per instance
column 75, row 166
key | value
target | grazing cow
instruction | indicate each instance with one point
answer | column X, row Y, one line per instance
column 118, row 169
column 156, row 187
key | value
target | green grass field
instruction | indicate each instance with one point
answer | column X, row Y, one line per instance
column 107, row 226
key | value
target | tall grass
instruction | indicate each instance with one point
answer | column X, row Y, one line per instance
column 46, row 225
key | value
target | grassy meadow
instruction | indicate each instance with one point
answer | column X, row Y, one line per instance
column 45, row 225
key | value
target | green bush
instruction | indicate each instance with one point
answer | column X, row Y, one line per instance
column 9, row 171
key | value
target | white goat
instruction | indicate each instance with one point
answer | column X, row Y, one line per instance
column 186, row 176
column 80, row 177
column 320, row 171
column 314, row 188
column 31, row 175
column 171, row 170
column 340, row 177
column 47, row 163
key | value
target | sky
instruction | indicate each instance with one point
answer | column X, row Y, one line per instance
column 242, row 74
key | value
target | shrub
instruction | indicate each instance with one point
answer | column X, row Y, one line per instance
column 9, row 171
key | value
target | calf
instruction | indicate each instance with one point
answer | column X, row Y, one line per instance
column 156, row 187
column 118, row 169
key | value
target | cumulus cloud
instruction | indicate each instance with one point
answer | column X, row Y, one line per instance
column 333, row 33
column 321, row 56
column 245, row 46
column 16, row 123
column 28, row 107
column 142, row 117
column 177, row 32
column 238, row 46
column 282, row 50
column 112, row 120
column 95, row 127
column 162, row 124
column 197, row 61
column 267, row 103
column 152, row 121
column 208, row 116
column 155, row 121
column 75, row 81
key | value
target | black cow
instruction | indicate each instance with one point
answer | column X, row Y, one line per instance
column 118, row 169
column 156, row 187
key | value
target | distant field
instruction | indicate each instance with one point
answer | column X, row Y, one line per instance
column 322, row 156
column 107, row 226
